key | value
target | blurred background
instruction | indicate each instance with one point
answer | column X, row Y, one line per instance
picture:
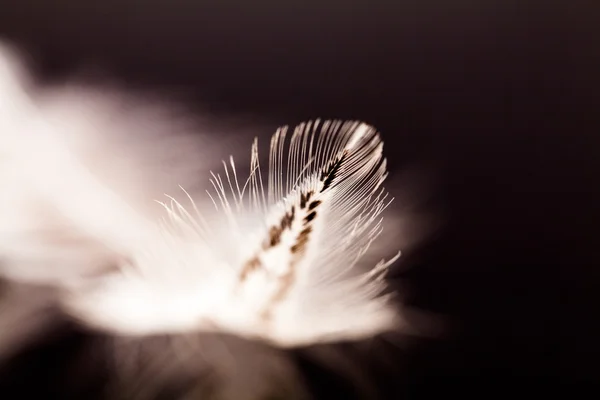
column 496, row 100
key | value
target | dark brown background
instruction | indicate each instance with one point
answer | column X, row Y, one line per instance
column 499, row 97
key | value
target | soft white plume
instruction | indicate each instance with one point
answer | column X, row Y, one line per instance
column 79, row 167
column 277, row 256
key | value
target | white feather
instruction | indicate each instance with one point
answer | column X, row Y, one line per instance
column 282, row 266
column 278, row 258
column 79, row 167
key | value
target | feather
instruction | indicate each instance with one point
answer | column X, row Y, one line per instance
column 280, row 257
column 286, row 257
column 281, row 264
column 79, row 167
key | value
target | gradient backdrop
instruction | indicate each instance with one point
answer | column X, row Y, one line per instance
column 499, row 99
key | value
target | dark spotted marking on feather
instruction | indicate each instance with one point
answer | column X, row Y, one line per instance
column 330, row 173
column 297, row 250
column 301, row 240
column 273, row 240
column 305, row 198
column 287, row 280
column 314, row 204
column 252, row 265
column 328, row 176
column 310, row 216
column 276, row 231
